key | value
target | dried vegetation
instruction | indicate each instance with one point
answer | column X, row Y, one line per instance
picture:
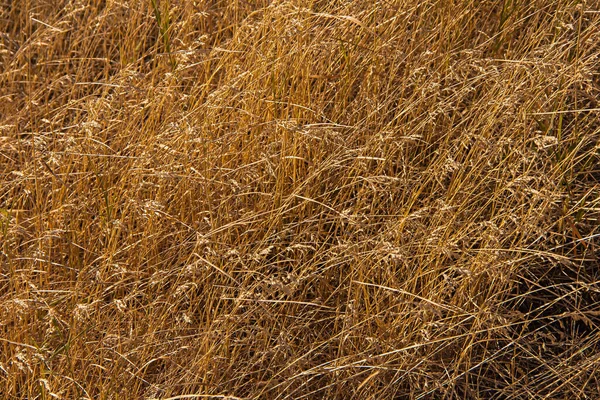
column 299, row 199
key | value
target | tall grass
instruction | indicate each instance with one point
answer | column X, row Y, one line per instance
column 299, row 199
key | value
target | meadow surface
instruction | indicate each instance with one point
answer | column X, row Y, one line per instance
column 296, row 199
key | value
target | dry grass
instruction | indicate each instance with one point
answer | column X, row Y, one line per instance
column 299, row 199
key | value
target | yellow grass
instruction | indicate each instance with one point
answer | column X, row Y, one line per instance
column 297, row 199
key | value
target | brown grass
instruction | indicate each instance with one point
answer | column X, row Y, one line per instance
column 299, row 199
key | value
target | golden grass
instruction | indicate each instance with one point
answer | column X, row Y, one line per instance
column 296, row 199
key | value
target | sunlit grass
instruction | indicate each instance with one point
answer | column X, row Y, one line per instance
column 298, row 200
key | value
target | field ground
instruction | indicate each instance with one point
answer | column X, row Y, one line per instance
column 296, row 199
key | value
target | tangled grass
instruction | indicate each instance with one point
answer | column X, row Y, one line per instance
column 296, row 199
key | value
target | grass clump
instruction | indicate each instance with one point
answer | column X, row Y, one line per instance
column 291, row 199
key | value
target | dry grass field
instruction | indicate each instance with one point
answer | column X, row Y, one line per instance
column 296, row 199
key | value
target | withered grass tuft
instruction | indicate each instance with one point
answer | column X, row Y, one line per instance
column 299, row 199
